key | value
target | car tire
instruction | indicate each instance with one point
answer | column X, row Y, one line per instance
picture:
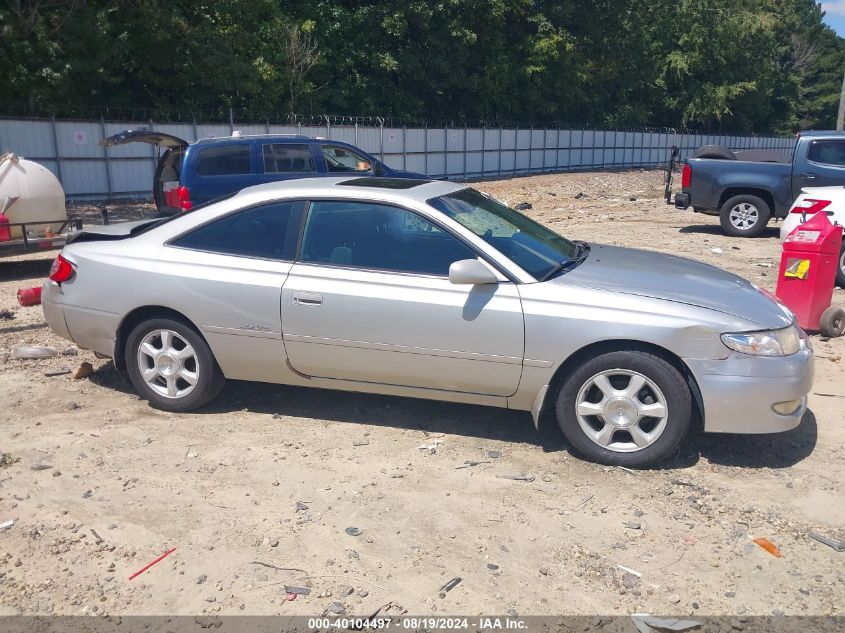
column 171, row 365
column 840, row 269
column 616, row 386
column 744, row 216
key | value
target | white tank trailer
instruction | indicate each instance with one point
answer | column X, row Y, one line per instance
column 29, row 192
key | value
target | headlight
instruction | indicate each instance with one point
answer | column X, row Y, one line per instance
column 783, row 342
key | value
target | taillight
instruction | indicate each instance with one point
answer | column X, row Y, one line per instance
column 61, row 270
column 184, row 196
column 686, row 175
column 810, row 206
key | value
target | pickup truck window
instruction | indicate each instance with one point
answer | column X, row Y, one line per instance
column 827, row 152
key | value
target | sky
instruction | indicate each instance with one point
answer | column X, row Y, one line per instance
column 835, row 15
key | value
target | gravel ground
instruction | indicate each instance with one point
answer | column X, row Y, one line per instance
column 257, row 491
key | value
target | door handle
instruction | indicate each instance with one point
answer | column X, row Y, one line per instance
column 307, row 298
column 809, row 176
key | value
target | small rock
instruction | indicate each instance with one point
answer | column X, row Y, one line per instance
column 352, row 554
column 353, row 531
column 274, row 542
column 70, row 351
column 201, row 579
column 40, row 467
column 804, row 590
column 674, row 598
column 87, row 494
column 632, row 525
column 630, row 580
column 300, row 507
column 363, row 593
column 211, row 599
column 348, row 591
column 57, row 473
column 492, row 566
column 544, row 571
column 337, row 608
column 523, row 205
column 730, row 594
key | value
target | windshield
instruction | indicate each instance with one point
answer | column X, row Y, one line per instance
column 530, row 245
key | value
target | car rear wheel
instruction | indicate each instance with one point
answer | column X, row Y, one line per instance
column 744, row 216
column 171, row 365
column 625, row 408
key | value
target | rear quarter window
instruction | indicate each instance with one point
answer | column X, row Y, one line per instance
column 225, row 160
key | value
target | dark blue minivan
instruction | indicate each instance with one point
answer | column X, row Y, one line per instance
column 188, row 174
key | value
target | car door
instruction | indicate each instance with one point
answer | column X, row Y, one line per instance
column 340, row 160
column 230, row 272
column 369, row 299
column 824, row 167
column 285, row 161
column 219, row 169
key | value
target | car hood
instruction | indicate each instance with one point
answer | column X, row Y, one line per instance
column 671, row 278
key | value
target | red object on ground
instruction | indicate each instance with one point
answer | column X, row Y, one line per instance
column 808, row 269
column 5, row 231
column 146, row 567
column 29, row 296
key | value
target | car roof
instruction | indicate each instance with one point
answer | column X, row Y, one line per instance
column 352, row 187
column 281, row 138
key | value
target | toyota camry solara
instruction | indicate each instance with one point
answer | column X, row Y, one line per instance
column 432, row 290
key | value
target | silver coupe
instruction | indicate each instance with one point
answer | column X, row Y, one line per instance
column 432, row 290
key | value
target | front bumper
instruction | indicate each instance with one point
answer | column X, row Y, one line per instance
column 738, row 393
column 682, row 200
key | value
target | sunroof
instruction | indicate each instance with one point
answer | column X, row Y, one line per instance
column 384, row 183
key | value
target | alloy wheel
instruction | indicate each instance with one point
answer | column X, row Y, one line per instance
column 744, row 216
column 168, row 363
column 621, row 410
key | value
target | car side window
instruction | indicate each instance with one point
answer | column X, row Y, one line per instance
column 827, row 152
column 256, row 232
column 226, row 160
column 287, row 157
column 342, row 160
column 378, row 237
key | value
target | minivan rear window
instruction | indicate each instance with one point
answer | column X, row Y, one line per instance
column 287, row 157
column 227, row 160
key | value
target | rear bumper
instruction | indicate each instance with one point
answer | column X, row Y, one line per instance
column 682, row 200
column 54, row 313
column 739, row 392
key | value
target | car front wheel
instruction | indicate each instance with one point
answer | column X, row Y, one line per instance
column 171, row 365
column 625, row 408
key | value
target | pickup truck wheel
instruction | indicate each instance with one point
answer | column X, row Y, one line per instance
column 840, row 272
column 625, row 408
column 744, row 216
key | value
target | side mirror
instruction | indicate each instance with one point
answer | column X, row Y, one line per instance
column 378, row 169
column 471, row 272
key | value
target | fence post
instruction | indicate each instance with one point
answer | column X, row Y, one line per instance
column 446, row 150
column 483, row 146
column 499, row 153
column 515, row 147
column 557, row 149
column 56, row 149
column 194, row 121
column 356, row 133
column 404, row 149
column 425, row 149
column 328, row 128
column 231, row 121
column 106, row 157
column 381, row 139
column 465, row 150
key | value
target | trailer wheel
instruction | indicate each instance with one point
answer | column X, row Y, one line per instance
column 744, row 216
column 832, row 322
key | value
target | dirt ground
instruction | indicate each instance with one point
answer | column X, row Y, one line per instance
column 257, row 491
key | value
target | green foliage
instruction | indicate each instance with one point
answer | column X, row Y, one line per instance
column 746, row 65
